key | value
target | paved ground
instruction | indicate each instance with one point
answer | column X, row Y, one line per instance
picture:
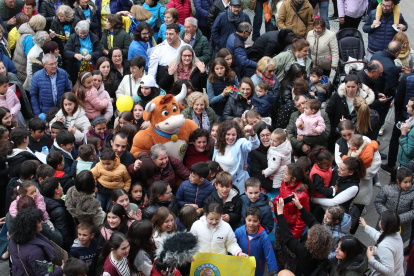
column 371, row 216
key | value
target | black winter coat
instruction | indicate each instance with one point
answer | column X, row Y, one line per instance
column 95, row 21
column 16, row 162
column 118, row 75
column 214, row 11
column 269, row 44
column 258, row 163
column 57, row 27
column 235, row 107
column 150, row 210
column 283, row 115
column 72, row 47
column 198, row 80
column 232, row 208
column 61, row 219
column 48, row 11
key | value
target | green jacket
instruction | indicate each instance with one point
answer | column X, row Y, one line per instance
column 286, row 59
column 212, row 117
column 320, row 140
column 406, row 153
column 201, row 47
column 121, row 40
column 6, row 13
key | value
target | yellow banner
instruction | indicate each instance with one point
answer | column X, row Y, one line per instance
column 209, row 264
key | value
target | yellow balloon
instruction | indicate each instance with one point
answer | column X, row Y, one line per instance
column 124, row 103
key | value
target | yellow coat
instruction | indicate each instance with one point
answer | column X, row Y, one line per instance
column 117, row 178
column 287, row 18
column 13, row 37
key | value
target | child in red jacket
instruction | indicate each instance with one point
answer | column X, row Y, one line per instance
column 294, row 181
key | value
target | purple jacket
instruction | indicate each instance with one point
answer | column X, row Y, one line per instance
column 37, row 249
column 352, row 8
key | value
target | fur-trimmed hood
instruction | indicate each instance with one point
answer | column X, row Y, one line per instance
column 91, row 5
column 364, row 91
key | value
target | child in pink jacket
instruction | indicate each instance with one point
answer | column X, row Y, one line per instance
column 102, row 94
column 88, row 95
column 8, row 98
column 311, row 123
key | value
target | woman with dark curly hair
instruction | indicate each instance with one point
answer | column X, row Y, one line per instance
column 314, row 251
column 232, row 149
column 27, row 245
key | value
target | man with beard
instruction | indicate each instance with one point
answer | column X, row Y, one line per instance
column 226, row 23
column 296, row 15
column 143, row 43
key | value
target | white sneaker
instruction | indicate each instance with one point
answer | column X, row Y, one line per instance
column 377, row 184
column 381, row 131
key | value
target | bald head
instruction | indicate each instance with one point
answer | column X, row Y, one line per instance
column 374, row 69
column 394, row 48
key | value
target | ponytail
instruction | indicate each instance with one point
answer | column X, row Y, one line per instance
column 282, row 134
column 363, row 115
column 297, row 172
column 355, row 165
column 319, row 154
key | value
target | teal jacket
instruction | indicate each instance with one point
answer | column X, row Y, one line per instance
column 406, row 153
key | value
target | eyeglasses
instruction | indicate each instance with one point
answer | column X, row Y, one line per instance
column 265, row 135
column 51, row 64
column 299, row 104
column 117, row 56
column 387, row 6
column 271, row 71
column 144, row 34
column 168, row 193
column 187, row 56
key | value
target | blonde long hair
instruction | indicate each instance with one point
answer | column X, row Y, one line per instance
column 363, row 115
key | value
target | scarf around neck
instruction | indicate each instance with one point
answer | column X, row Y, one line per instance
column 182, row 74
column 270, row 81
column 205, row 122
column 404, row 55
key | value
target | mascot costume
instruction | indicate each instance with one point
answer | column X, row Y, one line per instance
column 168, row 126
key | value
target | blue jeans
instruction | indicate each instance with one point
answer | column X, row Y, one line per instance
column 105, row 200
column 258, row 19
column 323, row 11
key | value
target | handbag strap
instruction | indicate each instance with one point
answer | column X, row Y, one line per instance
column 306, row 25
column 18, row 253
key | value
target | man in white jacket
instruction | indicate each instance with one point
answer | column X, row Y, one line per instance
column 165, row 52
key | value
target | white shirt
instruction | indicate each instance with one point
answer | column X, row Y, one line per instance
column 225, row 5
column 125, row 89
column 226, row 161
column 301, row 61
column 121, row 266
column 162, row 55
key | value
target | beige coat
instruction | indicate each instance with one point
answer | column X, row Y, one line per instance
column 325, row 45
column 118, row 177
column 287, row 18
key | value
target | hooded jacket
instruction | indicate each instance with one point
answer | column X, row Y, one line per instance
column 323, row 46
column 61, row 219
column 103, row 94
column 202, row 9
column 11, row 102
column 94, row 105
column 16, row 159
column 260, row 247
column 107, row 181
column 149, row 172
column 277, row 160
column 358, row 266
column 264, row 104
column 236, row 45
column 287, row 18
column 337, row 105
column 290, row 212
column 8, row 63
column 84, row 207
column 338, row 231
column 264, row 206
column 406, row 152
column 87, row 254
column 214, row 11
column 224, row 25
column 231, row 207
column 26, row 107
column 219, row 240
column 189, row 193
column 19, row 57
column 38, row 248
column 307, row 124
column 69, row 157
column 34, row 145
column 365, row 152
column 79, row 121
column 121, row 40
column 391, row 197
column 183, row 8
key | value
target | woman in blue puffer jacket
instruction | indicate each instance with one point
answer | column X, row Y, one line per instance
column 202, row 7
column 157, row 11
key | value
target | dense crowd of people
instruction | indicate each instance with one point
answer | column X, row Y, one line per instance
column 278, row 160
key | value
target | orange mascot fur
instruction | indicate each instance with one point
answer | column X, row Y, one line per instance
column 167, row 127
